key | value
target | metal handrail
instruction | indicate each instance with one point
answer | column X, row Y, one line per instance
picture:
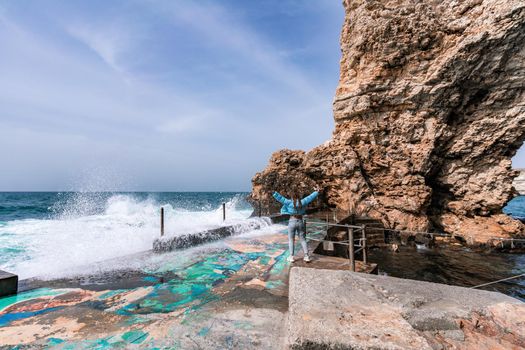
column 431, row 234
column 441, row 234
column 351, row 247
column 338, row 242
column 326, row 223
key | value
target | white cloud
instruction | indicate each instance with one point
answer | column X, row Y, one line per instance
column 215, row 24
column 79, row 93
column 108, row 44
column 46, row 84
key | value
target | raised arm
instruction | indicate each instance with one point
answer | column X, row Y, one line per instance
column 308, row 199
column 283, row 200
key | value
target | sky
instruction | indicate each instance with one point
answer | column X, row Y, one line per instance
column 162, row 95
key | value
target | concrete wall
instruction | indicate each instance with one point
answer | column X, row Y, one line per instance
column 347, row 310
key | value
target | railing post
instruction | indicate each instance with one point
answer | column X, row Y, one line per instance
column 365, row 252
column 223, row 211
column 161, row 221
column 351, row 248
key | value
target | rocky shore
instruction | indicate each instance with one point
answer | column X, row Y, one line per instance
column 429, row 111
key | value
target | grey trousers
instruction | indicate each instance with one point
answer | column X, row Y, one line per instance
column 297, row 226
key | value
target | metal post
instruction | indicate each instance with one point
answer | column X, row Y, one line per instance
column 365, row 252
column 223, row 211
column 161, row 221
column 351, row 248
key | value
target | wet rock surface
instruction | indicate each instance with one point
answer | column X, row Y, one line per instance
column 232, row 295
column 345, row 310
column 429, row 111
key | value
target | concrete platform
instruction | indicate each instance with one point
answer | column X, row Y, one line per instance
column 335, row 263
column 346, row 310
column 229, row 295
column 8, row 283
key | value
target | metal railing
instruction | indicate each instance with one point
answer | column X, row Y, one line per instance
column 510, row 242
column 351, row 231
column 162, row 217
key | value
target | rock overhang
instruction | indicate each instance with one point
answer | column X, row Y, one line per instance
column 428, row 111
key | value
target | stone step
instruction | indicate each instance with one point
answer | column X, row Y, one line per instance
column 326, row 312
column 8, row 283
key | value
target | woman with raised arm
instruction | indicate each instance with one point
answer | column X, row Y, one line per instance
column 296, row 208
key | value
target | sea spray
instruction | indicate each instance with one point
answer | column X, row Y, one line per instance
column 169, row 243
column 82, row 228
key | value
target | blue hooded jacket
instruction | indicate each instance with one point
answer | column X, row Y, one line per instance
column 288, row 207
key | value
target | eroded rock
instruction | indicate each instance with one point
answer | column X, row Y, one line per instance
column 429, row 111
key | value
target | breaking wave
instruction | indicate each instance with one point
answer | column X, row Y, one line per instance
column 84, row 228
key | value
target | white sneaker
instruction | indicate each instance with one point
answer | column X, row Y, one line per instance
column 291, row 258
column 306, row 258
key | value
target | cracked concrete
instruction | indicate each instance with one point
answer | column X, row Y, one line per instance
column 346, row 310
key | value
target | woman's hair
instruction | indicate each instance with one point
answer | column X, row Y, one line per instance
column 295, row 196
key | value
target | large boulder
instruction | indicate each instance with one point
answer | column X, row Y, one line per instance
column 429, row 111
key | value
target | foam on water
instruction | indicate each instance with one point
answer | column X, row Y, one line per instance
column 87, row 229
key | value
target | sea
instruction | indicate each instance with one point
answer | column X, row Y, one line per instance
column 459, row 265
column 52, row 235
column 516, row 208
column 48, row 234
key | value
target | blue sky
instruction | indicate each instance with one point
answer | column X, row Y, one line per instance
column 161, row 95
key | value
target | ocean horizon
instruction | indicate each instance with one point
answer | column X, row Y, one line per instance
column 48, row 233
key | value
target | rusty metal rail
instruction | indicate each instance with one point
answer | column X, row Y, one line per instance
column 351, row 230
column 326, row 223
column 511, row 242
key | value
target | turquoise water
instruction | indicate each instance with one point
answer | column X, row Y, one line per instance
column 50, row 205
column 45, row 233
column 516, row 207
column 51, row 234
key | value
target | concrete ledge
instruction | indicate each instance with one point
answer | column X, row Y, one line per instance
column 166, row 244
column 8, row 283
column 346, row 310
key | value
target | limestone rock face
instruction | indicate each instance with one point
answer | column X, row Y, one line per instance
column 429, row 110
column 519, row 182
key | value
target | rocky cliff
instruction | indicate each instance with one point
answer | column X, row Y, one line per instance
column 429, row 110
column 519, row 182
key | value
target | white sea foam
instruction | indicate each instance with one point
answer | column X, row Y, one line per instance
column 79, row 236
column 158, row 263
